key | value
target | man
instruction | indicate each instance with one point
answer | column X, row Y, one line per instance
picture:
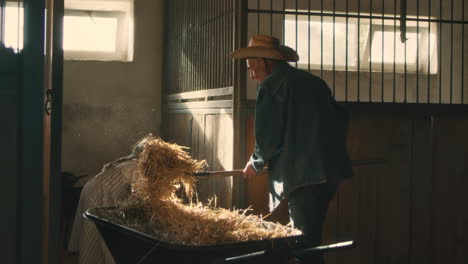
column 300, row 132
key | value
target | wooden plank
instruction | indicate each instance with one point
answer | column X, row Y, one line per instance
column 367, row 229
column 225, row 154
column 449, row 193
column 461, row 182
column 329, row 232
column 357, row 205
column 195, row 128
column 216, row 183
column 421, row 221
column 210, row 125
column 9, row 167
column 393, row 191
column 204, row 187
column 443, row 199
column 347, row 226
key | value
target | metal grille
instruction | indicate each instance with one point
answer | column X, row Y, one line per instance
column 374, row 50
column 198, row 42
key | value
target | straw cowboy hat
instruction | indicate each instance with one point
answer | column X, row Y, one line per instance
column 269, row 47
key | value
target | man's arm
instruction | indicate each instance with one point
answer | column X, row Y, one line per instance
column 270, row 119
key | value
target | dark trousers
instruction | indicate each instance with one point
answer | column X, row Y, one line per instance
column 308, row 208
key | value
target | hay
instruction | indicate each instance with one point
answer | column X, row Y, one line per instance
column 163, row 169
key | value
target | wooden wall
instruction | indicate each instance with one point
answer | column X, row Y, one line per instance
column 209, row 136
column 411, row 209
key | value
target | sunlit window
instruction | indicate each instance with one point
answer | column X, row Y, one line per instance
column 93, row 30
column 316, row 49
column 87, row 33
column 97, row 35
column 13, row 37
column 324, row 43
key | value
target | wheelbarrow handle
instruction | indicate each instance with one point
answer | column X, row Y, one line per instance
column 322, row 249
column 294, row 252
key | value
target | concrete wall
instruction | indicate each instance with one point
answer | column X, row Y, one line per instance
column 108, row 106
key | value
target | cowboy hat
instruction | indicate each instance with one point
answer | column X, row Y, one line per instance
column 263, row 46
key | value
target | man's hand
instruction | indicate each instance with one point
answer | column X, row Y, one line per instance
column 249, row 171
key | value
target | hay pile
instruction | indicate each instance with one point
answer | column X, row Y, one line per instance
column 164, row 168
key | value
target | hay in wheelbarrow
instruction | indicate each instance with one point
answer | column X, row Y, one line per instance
column 155, row 207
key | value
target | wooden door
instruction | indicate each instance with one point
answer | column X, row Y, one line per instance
column 26, row 145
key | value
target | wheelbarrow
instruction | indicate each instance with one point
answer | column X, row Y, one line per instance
column 128, row 245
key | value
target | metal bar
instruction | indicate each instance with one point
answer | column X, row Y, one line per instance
column 417, row 52
column 231, row 22
column 173, row 48
column 207, row 43
column 308, row 38
column 170, row 58
column 403, row 14
column 334, row 21
column 201, row 48
column 406, row 73
column 403, row 10
column 228, row 40
column 185, row 50
column 271, row 18
column 258, row 18
column 191, row 51
column 297, row 25
column 217, row 58
column 284, row 19
column 429, row 58
column 440, row 53
column 370, row 51
column 321, row 38
column 198, row 46
column 226, row 47
column 394, row 50
column 2, row 21
column 359, row 53
column 463, row 55
column 356, row 16
column 179, row 48
column 451, row 55
column 346, row 51
column 383, row 52
column 212, row 32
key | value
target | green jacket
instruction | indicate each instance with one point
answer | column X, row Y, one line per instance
column 300, row 132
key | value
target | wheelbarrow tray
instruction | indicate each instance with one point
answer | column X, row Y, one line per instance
column 128, row 245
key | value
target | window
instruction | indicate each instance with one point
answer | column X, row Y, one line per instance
column 98, row 30
column 93, row 30
column 321, row 54
column 13, row 26
column 326, row 44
